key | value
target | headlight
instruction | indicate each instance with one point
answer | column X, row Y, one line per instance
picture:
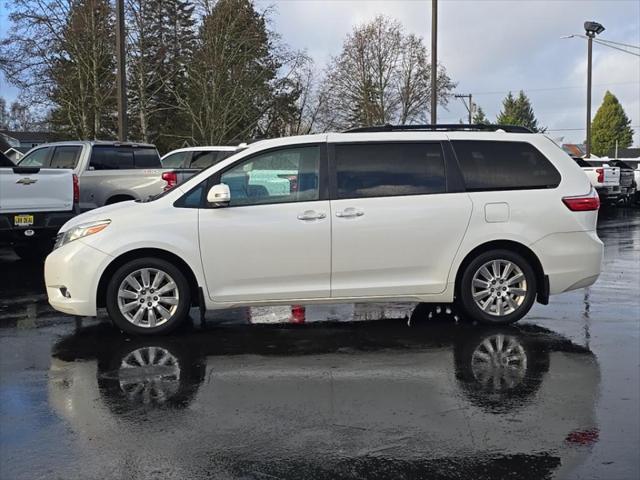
column 80, row 231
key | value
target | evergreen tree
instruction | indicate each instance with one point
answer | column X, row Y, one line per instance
column 479, row 118
column 610, row 124
column 518, row 111
column 229, row 82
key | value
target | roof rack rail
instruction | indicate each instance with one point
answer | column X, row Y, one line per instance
column 453, row 127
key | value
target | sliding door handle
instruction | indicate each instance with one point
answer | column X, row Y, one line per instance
column 349, row 213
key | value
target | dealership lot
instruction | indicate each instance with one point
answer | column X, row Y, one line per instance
column 373, row 399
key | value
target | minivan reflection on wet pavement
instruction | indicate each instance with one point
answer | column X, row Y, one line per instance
column 428, row 395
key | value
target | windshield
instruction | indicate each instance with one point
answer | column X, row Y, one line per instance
column 5, row 162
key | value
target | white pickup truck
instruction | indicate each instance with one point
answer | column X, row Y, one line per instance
column 605, row 179
column 34, row 204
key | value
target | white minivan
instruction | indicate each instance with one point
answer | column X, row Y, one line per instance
column 490, row 217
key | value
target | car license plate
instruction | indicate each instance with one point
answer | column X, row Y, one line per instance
column 23, row 220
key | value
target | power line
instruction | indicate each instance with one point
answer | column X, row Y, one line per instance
column 544, row 89
column 619, row 43
column 616, row 48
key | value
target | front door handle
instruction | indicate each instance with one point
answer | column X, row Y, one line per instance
column 349, row 213
column 311, row 215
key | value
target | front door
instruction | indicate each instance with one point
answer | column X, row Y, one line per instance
column 272, row 243
column 395, row 228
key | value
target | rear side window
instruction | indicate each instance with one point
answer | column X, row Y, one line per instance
column 176, row 160
column 389, row 169
column 490, row 165
column 111, row 158
column 65, row 157
column 146, row 158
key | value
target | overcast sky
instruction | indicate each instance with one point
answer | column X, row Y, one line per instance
column 489, row 47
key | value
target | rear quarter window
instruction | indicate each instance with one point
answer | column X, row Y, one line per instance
column 489, row 165
column 111, row 158
column 146, row 158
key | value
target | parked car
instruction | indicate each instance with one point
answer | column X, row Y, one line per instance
column 627, row 180
column 491, row 219
column 108, row 172
column 186, row 162
column 605, row 179
column 34, row 204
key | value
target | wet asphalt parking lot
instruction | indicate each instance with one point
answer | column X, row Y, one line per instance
column 433, row 396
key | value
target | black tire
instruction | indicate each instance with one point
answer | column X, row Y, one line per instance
column 465, row 293
column 177, row 318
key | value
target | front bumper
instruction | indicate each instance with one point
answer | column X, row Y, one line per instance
column 45, row 227
column 570, row 260
column 74, row 270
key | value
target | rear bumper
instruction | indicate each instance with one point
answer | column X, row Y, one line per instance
column 570, row 260
column 45, row 227
column 609, row 193
column 75, row 269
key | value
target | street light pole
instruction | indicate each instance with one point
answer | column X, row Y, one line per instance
column 589, row 50
column 592, row 29
column 434, row 60
column 121, row 80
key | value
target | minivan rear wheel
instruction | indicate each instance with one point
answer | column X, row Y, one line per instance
column 148, row 296
column 498, row 287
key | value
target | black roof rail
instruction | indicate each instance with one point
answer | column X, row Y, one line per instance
column 453, row 127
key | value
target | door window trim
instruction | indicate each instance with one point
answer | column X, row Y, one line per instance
column 452, row 174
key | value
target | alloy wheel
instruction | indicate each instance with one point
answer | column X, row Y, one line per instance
column 148, row 297
column 499, row 287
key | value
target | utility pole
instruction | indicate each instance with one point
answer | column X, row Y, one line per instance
column 434, row 61
column 468, row 107
column 121, row 72
column 589, row 49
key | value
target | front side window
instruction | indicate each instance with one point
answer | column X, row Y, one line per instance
column 36, row 158
column 111, row 158
column 66, row 157
column 389, row 169
column 277, row 176
column 489, row 165
column 176, row 160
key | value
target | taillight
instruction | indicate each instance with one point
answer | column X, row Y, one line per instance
column 583, row 203
column 76, row 189
column 600, row 172
column 171, row 178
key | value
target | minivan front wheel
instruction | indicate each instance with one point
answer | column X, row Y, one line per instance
column 498, row 286
column 148, row 296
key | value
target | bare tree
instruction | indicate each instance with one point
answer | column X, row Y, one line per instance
column 62, row 53
column 381, row 76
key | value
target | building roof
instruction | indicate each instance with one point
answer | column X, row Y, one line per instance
column 34, row 137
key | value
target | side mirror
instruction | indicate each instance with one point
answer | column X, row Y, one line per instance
column 219, row 195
